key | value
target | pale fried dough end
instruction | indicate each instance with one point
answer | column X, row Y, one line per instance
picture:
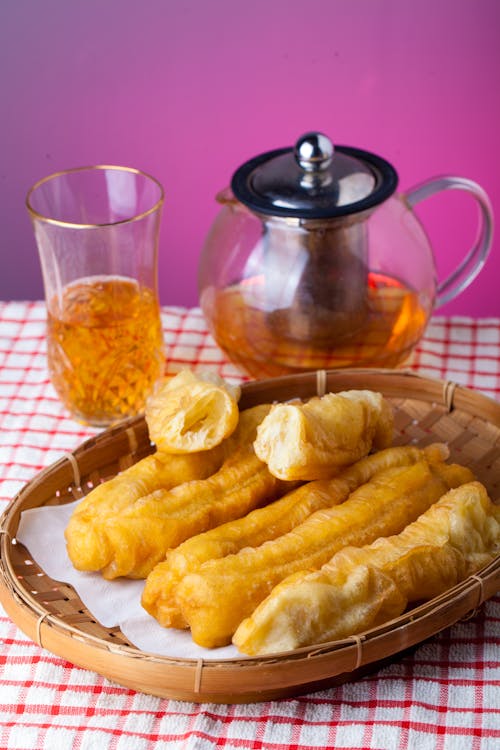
column 301, row 614
column 191, row 412
column 362, row 587
column 315, row 439
column 221, row 593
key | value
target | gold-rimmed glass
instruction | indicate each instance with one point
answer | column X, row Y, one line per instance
column 97, row 230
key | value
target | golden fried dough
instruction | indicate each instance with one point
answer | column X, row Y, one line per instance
column 158, row 471
column 313, row 440
column 191, row 412
column 264, row 524
column 86, row 537
column 110, row 498
column 360, row 588
column 216, row 598
column 141, row 536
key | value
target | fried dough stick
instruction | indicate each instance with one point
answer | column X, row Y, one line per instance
column 156, row 476
column 216, row 598
column 264, row 524
column 157, row 471
column 360, row 588
column 315, row 439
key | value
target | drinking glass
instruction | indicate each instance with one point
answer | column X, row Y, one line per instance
column 96, row 230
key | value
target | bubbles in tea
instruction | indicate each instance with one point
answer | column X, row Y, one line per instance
column 105, row 347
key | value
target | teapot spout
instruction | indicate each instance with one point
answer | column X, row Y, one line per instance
column 226, row 197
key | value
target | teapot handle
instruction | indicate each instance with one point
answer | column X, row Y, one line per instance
column 475, row 259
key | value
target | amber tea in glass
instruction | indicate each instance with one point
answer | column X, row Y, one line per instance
column 97, row 235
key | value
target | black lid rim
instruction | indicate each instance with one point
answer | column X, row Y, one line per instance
column 387, row 178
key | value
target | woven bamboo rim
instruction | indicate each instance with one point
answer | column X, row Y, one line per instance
column 52, row 615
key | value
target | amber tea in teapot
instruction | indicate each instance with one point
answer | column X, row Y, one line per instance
column 394, row 322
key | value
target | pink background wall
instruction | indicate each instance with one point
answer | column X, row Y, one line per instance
column 188, row 90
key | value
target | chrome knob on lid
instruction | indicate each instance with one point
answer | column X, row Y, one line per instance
column 314, row 152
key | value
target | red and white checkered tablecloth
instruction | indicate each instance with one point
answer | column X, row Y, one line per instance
column 445, row 696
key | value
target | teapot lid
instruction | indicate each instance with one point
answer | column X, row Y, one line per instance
column 314, row 180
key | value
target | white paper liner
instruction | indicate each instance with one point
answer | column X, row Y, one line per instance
column 112, row 603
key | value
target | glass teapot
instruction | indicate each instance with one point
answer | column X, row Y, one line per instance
column 314, row 261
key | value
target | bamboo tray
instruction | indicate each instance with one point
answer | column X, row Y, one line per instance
column 51, row 613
